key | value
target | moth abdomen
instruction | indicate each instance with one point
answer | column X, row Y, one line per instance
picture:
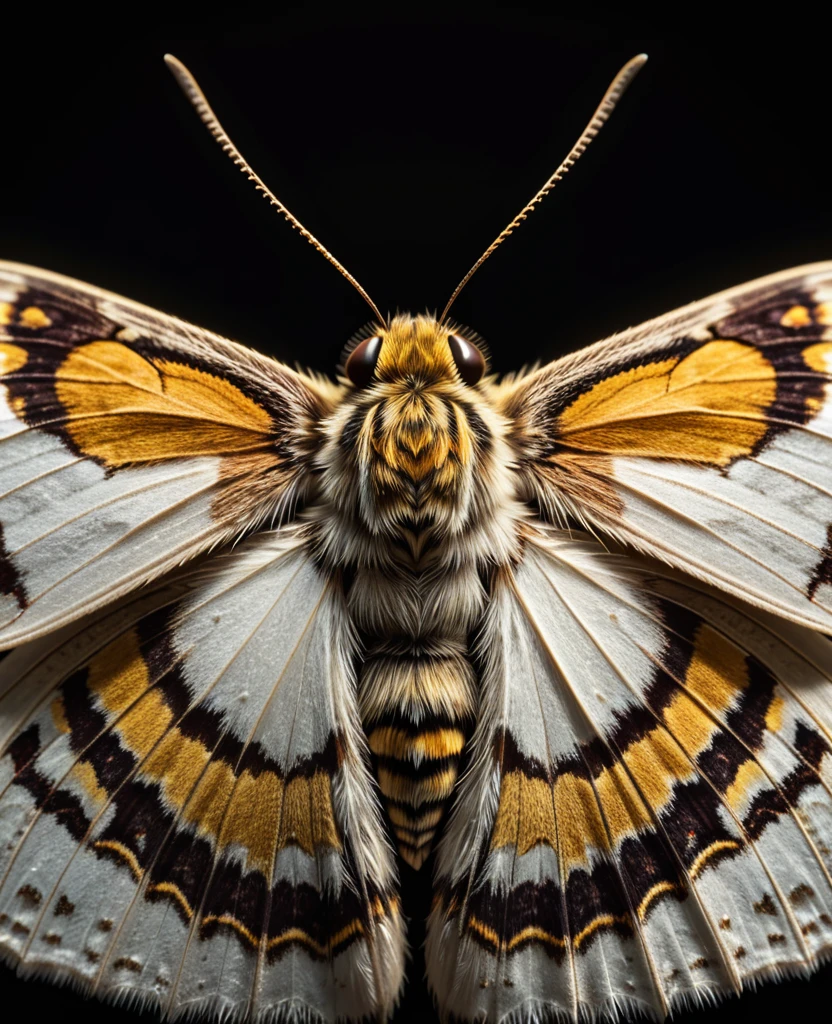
column 419, row 711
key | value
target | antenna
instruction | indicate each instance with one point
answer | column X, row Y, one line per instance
column 605, row 108
column 197, row 98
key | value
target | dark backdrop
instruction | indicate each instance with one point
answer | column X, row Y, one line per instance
column 406, row 144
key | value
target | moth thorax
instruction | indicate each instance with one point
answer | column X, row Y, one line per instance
column 418, row 455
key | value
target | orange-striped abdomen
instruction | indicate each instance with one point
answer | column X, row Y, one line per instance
column 417, row 711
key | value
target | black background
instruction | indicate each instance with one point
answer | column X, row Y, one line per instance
column 406, row 143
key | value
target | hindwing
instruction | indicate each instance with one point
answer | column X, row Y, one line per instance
column 646, row 819
column 187, row 818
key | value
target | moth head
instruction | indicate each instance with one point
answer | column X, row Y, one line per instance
column 415, row 353
column 413, row 438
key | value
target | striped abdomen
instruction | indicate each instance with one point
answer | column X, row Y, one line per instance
column 417, row 709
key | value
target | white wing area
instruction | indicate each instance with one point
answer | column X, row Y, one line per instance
column 759, row 529
column 187, row 820
column 646, row 821
column 77, row 538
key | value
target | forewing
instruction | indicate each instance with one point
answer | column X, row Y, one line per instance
column 647, row 819
column 186, row 815
column 703, row 437
column 129, row 441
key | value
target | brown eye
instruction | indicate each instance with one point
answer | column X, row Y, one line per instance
column 468, row 358
column 362, row 361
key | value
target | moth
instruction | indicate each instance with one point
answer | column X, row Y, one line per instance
column 274, row 639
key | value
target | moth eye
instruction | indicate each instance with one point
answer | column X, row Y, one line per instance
column 468, row 358
column 362, row 361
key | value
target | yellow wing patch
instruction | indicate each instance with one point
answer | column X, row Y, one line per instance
column 574, row 815
column 123, row 408
column 819, row 357
column 796, row 316
column 12, row 358
column 802, row 316
column 32, row 317
column 709, row 406
column 259, row 811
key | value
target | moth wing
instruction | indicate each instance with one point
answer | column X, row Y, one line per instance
column 646, row 820
column 187, row 819
column 129, row 441
column 703, row 437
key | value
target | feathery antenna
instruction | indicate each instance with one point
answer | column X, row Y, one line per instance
column 605, row 108
column 197, row 98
